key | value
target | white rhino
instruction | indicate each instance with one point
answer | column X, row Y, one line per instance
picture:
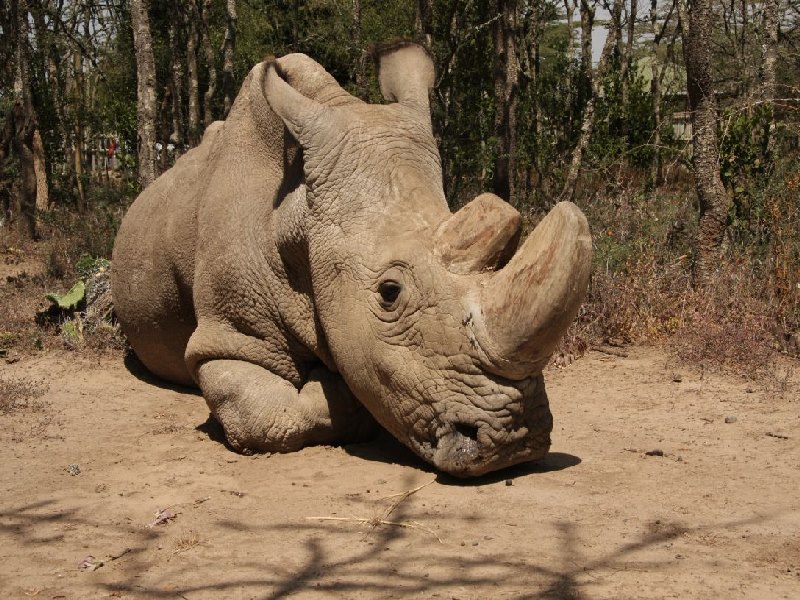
column 302, row 265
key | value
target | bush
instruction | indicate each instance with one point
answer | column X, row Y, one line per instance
column 641, row 288
column 73, row 247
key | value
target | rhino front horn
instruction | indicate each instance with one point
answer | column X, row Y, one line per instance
column 527, row 306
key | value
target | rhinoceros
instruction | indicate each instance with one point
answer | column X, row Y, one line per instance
column 302, row 267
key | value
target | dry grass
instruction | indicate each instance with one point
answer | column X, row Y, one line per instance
column 186, row 541
column 728, row 325
column 21, row 397
column 641, row 288
column 21, row 394
column 382, row 519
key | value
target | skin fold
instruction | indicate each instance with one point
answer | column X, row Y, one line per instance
column 301, row 266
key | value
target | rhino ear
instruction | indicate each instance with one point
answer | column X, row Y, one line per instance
column 311, row 79
column 307, row 120
column 405, row 74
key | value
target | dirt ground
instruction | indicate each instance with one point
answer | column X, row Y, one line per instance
column 88, row 466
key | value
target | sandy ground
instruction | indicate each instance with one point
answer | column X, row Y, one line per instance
column 717, row 516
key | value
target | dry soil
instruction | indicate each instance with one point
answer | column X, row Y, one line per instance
column 713, row 513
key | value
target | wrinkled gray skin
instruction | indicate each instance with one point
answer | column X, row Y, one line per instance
column 301, row 265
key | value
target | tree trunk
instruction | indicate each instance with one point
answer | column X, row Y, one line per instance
column 50, row 101
column 656, row 86
column 40, row 168
column 190, row 22
column 176, row 69
column 569, row 93
column 570, row 6
column 77, row 138
column 422, row 23
column 208, row 98
column 696, row 23
column 587, row 128
column 56, row 85
column 770, row 49
column 228, row 50
column 627, row 54
column 23, row 119
column 145, row 92
column 655, row 93
column 6, row 140
column 506, row 84
column 531, row 36
column 22, row 123
column 165, row 126
column 444, row 92
column 587, row 25
column 769, row 74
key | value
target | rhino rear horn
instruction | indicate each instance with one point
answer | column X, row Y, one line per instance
column 482, row 236
column 405, row 74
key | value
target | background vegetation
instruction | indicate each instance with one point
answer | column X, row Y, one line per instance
column 679, row 139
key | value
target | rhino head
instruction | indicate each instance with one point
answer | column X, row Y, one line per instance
column 438, row 322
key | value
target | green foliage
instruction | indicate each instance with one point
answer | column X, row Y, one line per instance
column 550, row 111
column 742, row 153
column 744, row 167
column 116, row 97
column 88, row 266
column 70, row 300
column 463, row 109
column 72, row 332
column 640, row 124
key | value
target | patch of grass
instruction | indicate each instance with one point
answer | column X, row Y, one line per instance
column 728, row 325
column 186, row 541
column 106, row 337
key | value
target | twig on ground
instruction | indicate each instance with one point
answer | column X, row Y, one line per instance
column 383, row 520
column 402, row 497
column 375, row 521
column 611, row 351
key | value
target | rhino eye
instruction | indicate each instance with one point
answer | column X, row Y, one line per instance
column 389, row 291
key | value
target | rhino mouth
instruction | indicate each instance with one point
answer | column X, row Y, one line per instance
column 460, row 453
column 478, row 444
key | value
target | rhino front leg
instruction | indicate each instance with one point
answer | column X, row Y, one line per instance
column 261, row 412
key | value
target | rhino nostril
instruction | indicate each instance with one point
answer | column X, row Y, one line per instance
column 468, row 431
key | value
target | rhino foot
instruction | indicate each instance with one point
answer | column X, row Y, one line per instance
column 262, row 412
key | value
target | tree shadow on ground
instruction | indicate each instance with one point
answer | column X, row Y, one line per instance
column 397, row 554
column 22, row 524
